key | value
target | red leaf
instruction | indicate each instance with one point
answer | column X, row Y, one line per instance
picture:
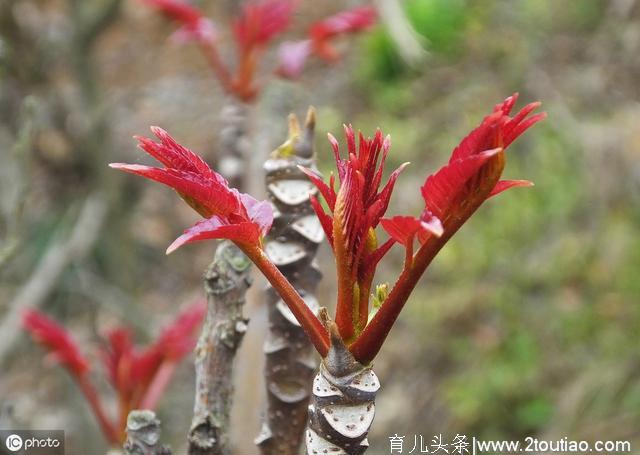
column 451, row 196
column 57, row 340
column 216, row 228
column 482, row 138
column 118, row 359
column 259, row 212
column 374, row 258
column 194, row 24
column 340, row 163
column 176, row 156
column 177, row 339
column 349, row 21
column 385, row 194
column 513, row 130
column 207, row 194
column 261, row 21
column 232, row 215
column 498, row 129
column 504, row 185
column 463, row 176
column 131, row 369
column 178, row 10
column 325, row 220
column 443, row 187
column 356, row 210
column 328, row 193
column 292, row 56
column 403, row 229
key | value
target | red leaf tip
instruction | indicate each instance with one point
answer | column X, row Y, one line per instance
column 228, row 213
column 57, row 340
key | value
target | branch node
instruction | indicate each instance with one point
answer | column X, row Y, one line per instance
column 143, row 434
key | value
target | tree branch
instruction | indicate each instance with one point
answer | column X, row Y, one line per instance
column 226, row 282
column 47, row 273
column 143, row 434
column 293, row 242
column 13, row 216
column 101, row 20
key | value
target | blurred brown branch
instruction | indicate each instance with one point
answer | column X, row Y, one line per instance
column 88, row 25
column 101, row 20
column 16, row 190
column 59, row 255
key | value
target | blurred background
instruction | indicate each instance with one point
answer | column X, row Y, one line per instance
column 527, row 323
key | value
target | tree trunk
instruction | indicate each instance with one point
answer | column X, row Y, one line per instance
column 291, row 245
column 226, row 282
column 342, row 405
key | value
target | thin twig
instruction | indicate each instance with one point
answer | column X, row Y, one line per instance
column 101, row 20
column 48, row 271
column 14, row 212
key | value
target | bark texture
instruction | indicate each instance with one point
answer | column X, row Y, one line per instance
column 226, row 282
column 343, row 403
column 291, row 245
column 143, row 434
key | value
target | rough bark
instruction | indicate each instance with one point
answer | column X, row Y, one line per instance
column 343, row 403
column 226, row 282
column 291, row 245
column 143, row 434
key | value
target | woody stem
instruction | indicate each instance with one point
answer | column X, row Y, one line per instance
column 309, row 322
column 226, row 281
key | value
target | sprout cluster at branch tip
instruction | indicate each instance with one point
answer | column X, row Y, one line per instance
column 357, row 202
column 342, row 400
